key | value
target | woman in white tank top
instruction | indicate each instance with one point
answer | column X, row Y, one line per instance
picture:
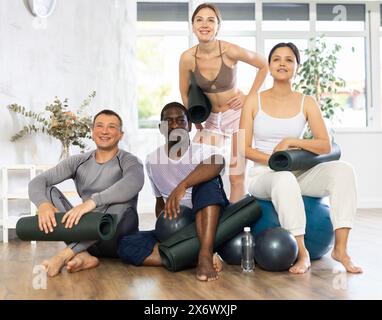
column 274, row 121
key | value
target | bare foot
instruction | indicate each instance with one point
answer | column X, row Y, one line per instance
column 303, row 263
column 82, row 261
column 205, row 270
column 346, row 261
column 217, row 262
column 54, row 265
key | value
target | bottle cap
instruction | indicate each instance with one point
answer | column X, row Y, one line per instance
column 247, row 229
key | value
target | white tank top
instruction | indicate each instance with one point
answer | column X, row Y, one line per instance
column 269, row 131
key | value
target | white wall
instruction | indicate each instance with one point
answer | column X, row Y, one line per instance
column 363, row 149
column 85, row 45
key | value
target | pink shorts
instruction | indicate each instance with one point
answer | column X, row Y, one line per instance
column 225, row 123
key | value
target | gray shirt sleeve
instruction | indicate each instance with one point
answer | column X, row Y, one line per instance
column 126, row 188
column 37, row 187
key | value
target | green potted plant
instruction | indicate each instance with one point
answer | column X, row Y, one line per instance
column 59, row 122
column 316, row 77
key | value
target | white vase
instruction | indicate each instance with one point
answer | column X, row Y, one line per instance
column 64, row 150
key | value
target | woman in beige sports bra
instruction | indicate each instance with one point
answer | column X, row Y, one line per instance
column 214, row 64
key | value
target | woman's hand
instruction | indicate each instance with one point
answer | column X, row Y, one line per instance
column 198, row 138
column 237, row 102
column 284, row 144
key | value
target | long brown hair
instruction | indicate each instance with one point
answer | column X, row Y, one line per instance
column 210, row 6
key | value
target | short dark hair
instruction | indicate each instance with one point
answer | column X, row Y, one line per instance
column 109, row 113
column 210, row 6
column 175, row 105
column 290, row 45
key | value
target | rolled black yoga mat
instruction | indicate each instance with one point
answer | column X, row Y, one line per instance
column 199, row 106
column 92, row 226
column 181, row 250
column 297, row 159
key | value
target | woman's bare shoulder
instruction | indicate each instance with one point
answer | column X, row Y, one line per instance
column 309, row 101
column 189, row 53
column 310, row 105
column 265, row 93
column 228, row 47
column 251, row 102
column 188, row 57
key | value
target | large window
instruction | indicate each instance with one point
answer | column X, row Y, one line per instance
column 351, row 68
column 162, row 16
column 336, row 21
column 162, row 37
column 239, row 27
column 340, row 17
column 164, row 32
column 285, row 16
column 158, row 58
column 237, row 17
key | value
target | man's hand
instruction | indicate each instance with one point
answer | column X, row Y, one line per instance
column 73, row 216
column 172, row 207
column 284, row 144
column 46, row 218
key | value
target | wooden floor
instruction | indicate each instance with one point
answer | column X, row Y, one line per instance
column 115, row 280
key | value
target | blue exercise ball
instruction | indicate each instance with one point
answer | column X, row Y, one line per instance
column 319, row 233
column 276, row 249
column 165, row 228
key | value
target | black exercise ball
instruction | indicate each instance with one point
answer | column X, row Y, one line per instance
column 276, row 249
column 230, row 251
column 164, row 227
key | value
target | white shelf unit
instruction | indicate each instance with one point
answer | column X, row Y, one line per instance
column 9, row 222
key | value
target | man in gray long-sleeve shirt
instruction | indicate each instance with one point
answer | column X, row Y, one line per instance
column 107, row 180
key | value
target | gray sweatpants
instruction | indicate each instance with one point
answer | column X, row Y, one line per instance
column 127, row 222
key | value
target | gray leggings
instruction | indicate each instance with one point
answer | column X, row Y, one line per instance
column 127, row 222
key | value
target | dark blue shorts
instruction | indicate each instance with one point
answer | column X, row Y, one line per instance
column 207, row 194
column 134, row 248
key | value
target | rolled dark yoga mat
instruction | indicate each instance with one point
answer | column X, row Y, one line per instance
column 291, row 160
column 199, row 106
column 182, row 249
column 92, row 226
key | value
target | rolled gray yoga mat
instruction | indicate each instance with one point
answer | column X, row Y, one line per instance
column 199, row 106
column 291, row 160
column 92, row 226
column 182, row 249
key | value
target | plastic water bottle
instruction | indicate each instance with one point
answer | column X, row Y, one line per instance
column 247, row 254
